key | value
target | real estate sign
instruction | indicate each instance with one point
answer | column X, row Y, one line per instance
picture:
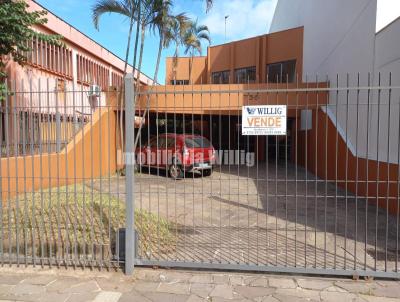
column 264, row 120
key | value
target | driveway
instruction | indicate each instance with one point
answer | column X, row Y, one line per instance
column 266, row 215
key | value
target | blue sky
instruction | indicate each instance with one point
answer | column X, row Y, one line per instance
column 246, row 18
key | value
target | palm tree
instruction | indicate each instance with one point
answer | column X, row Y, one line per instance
column 125, row 8
column 131, row 10
column 193, row 42
column 169, row 29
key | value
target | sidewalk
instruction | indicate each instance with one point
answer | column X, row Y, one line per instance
column 61, row 285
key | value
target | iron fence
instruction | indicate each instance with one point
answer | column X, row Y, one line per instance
column 323, row 198
column 167, row 178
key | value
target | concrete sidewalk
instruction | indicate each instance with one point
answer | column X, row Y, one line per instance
column 52, row 285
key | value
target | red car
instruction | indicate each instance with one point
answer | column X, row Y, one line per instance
column 178, row 153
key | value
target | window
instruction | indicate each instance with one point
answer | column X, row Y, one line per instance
column 245, row 75
column 221, row 77
column 179, row 82
column 281, row 72
column 197, row 142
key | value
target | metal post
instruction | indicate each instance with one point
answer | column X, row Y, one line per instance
column 129, row 179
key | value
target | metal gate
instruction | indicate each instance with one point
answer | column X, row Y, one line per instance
column 321, row 199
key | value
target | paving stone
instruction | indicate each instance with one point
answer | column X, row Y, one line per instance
column 358, row 287
column 133, row 296
column 194, row 298
column 177, row 288
column 222, row 291
column 379, row 299
column 165, row 297
column 85, row 287
column 314, row 284
column 148, row 275
column 220, row 279
column 107, row 296
column 391, row 291
column 62, row 283
column 299, row 293
column 282, row 283
column 266, row 299
column 236, row 280
column 5, row 289
column 337, row 296
column 286, row 298
column 201, row 289
column 262, row 282
column 11, row 279
column 82, row 297
column 251, row 292
column 143, row 286
column 40, row 280
column 335, row 289
column 54, row 297
column 114, row 285
column 201, row 278
column 27, row 289
column 175, row 276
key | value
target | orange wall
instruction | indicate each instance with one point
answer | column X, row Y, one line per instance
column 94, row 148
column 181, row 72
column 227, row 99
column 257, row 51
column 322, row 160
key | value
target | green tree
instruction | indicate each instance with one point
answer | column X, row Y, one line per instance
column 16, row 28
column 126, row 8
column 192, row 41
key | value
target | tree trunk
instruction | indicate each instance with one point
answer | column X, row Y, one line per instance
column 190, row 68
column 121, row 125
column 142, row 38
column 136, row 38
column 154, row 84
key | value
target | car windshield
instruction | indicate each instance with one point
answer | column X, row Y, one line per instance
column 197, row 142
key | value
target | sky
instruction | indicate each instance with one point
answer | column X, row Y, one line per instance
column 247, row 18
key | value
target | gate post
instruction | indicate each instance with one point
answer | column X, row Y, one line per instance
column 129, row 175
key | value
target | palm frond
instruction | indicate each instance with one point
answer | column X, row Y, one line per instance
column 101, row 7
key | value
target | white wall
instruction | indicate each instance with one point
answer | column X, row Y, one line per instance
column 339, row 39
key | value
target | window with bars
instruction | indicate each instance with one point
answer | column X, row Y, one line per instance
column 245, row 75
column 54, row 58
column 220, row 77
column 281, row 72
column 90, row 72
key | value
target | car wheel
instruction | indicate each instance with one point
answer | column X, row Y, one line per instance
column 175, row 170
column 207, row 172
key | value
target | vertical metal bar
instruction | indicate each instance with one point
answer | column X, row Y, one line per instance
column 367, row 173
column 296, row 169
column 388, row 198
column 306, row 175
column 75, row 247
column 130, row 176
column 346, row 172
column 16, row 137
column 31, row 125
column 356, row 176
column 377, row 174
column 316, row 177
column 49, row 151
column 42, row 206
column 66, row 180
column 336, row 171
column 326, row 172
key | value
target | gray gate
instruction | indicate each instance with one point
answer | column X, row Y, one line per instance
column 321, row 199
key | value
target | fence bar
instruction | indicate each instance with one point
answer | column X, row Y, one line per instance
column 129, row 180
